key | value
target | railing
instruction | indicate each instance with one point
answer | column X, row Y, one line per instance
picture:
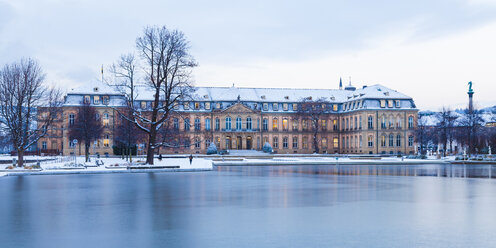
column 241, row 130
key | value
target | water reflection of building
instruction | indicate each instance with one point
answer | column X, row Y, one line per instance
column 368, row 120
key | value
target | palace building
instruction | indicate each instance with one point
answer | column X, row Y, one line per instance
column 369, row 120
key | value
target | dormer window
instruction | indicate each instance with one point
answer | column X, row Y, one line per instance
column 207, row 105
column 95, row 89
column 285, row 107
column 87, row 100
column 205, row 96
column 386, row 93
column 218, row 105
column 96, row 99
column 334, row 107
column 105, row 100
column 286, row 97
column 390, row 103
column 333, row 98
column 186, row 105
column 275, row 106
column 398, row 103
column 383, row 103
column 197, row 105
column 265, row 106
column 143, row 105
column 263, row 97
column 295, row 107
column 176, row 105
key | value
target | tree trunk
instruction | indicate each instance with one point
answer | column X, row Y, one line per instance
column 86, row 152
column 20, row 158
column 130, row 154
column 151, row 148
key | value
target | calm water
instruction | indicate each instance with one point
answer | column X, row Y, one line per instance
column 298, row 206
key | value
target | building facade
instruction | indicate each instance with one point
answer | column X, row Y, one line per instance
column 369, row 120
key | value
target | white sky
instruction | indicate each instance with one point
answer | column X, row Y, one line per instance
column 428, row 49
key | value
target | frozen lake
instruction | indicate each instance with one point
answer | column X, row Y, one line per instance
column 278, row 206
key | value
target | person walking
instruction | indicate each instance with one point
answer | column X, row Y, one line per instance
column 190, row 158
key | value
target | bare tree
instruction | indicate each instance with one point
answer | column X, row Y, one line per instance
column 22, row 94
column 313, row 110
column 166, row 64
column 422, row 133
column 445, row 128
column 126, row 135
column 470, row 130
column 87, row 127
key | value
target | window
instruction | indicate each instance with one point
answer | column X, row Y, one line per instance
column 71, row 120
column 295, row 142
column 265, row 106
column 360, row 122
column 175, row 124
column 175, row 105
column 410, row 121
column 285, row 106
column 410, row 141
column 323, row 125
column 106, row 141
column 143, row 105
column 197, row 124
column 324, row 143
column 207, row 143
column 285, row 124
column 248, row 123
column 295, row 124
column 275, row 124
column 228, row 123
column 397, row 103
column 361, row 143
column 391, row 122
column 391, row 140
column 186, row 105
column 265, row 124
column 275, row 106
column 228, row 142
column 383, row 140
column 275, row 142
column 390, row 103
column 217, row 125
column 197, row 143
column 96, row 99
column 383, row 122
column 335, row 124
column 334, row 107
column 305, row 143
column 106, row 120
column 398, row 140
column 356, row 123
column 186, row 124
column 87, row 100
column 238, row 123
column 295, row 107
column 370, row 141
column 105, row 100
column 304, row 124
column 370, row 122
column 207, row 124
column 207, row 105
column 218, row 105
column 44, row 145
column 383, row 103
column 197, row 105
column 285, row 142
column 347, row 124
column 335, row 142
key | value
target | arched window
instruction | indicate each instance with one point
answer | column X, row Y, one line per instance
column 228, row 123
column 275, row 124
column 265, row 124
column 175, row 123
column 398, row 140
column 197, row 124
column 391, row 140
column 186, row 124
column 383, row 122
column 370, row 122
column 248, row 123
column 207, row 124
column 285, row 124
column 217, row 124
column 238, row 123
column 398, row 123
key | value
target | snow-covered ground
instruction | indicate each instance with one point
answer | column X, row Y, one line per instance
column 62, row 165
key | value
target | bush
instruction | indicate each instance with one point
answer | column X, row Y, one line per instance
column 212, row 149
column 267, row 148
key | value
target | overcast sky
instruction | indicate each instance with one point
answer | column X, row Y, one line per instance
column 427, row 49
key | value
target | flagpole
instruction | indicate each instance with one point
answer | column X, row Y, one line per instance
column 102, row 73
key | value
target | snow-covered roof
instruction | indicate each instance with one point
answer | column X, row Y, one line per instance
column 286, row 94
column 94, row 88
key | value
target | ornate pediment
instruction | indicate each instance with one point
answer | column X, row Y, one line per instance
column 238, row 108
